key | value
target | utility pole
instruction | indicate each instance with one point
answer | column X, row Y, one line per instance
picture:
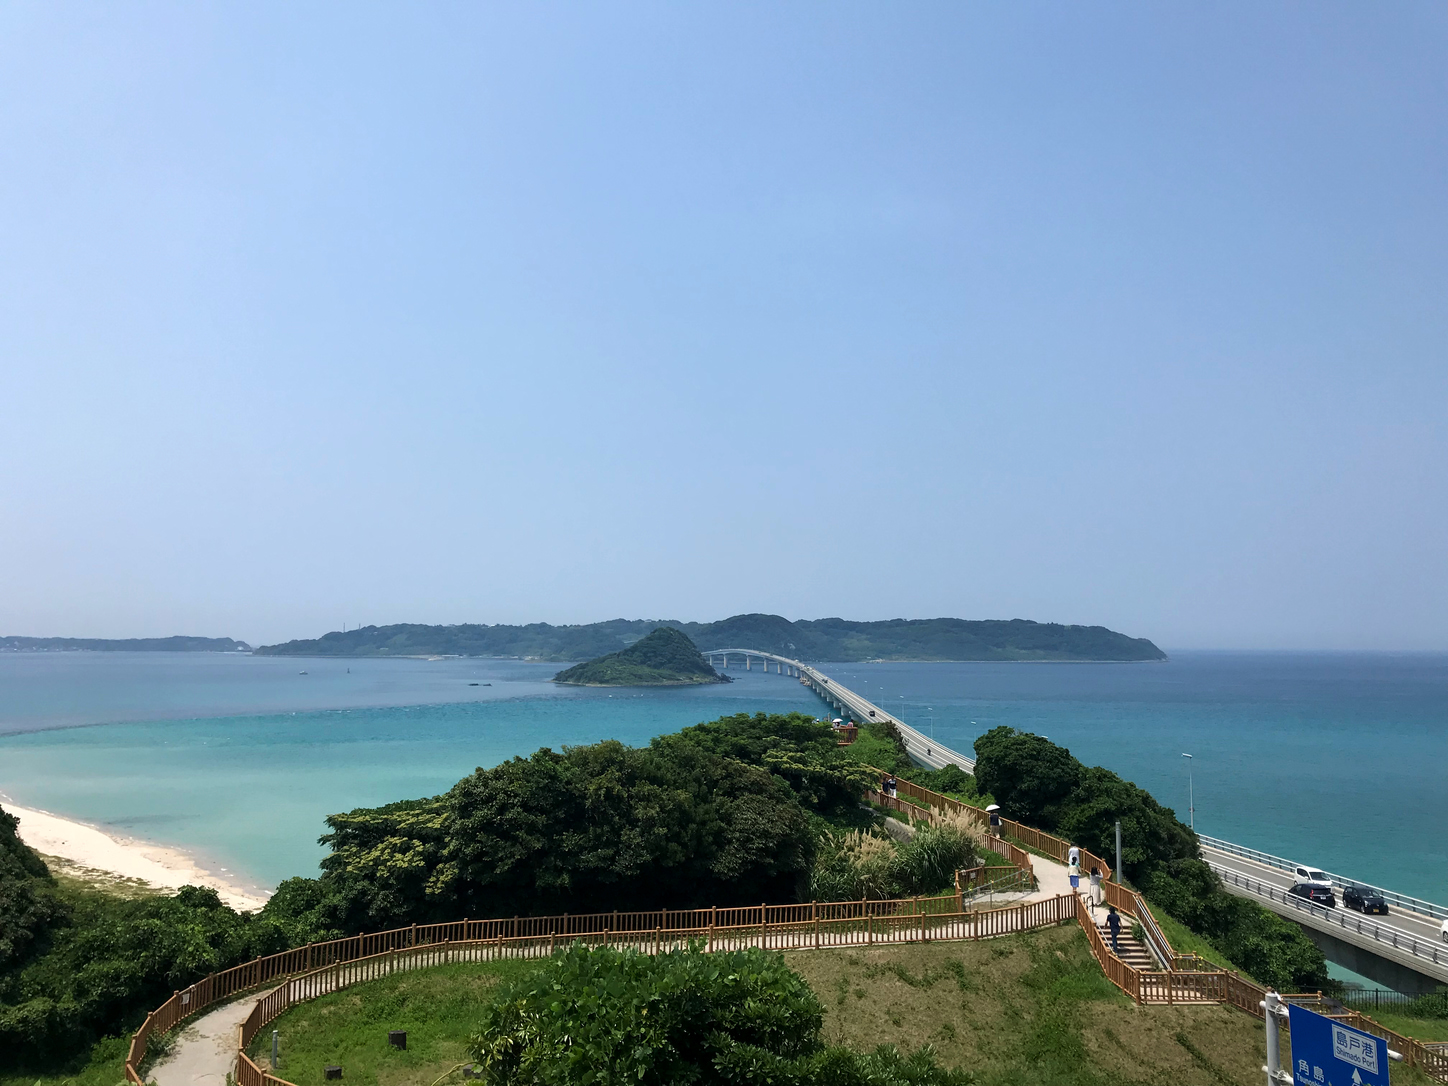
column 1191, row 796
column 1118, row 850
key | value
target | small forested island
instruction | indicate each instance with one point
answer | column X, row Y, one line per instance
column 125, row 644
column 665, row 657
column 833, row 639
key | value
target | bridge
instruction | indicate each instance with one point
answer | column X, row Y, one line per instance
column 1404, row 950
column 922, row 749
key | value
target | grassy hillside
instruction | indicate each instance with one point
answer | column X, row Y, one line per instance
column 833, row 639
column 1018, row 1010
column 665, row 657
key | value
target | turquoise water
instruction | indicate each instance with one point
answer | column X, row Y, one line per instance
column 1337, row 759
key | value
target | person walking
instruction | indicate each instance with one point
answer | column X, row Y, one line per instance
column 1073, row 867
column 1095, row 887
column 995, row 820
column 1113, row 924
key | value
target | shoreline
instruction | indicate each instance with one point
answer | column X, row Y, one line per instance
column 131, row 861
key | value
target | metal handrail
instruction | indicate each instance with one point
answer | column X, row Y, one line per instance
column 1397, row 938
column 1392, row 897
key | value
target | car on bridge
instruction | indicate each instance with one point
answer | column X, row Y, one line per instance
column 1318, row 895
column 1311, row 876
column 1364, row 900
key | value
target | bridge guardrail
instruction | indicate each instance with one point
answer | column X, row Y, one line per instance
column 1427, row 950
column 1392, row 897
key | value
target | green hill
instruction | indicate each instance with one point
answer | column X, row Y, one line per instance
column 665, row 657
column 826, row 639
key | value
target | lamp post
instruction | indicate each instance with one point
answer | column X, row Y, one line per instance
column 931, row 710
column 1191, row 795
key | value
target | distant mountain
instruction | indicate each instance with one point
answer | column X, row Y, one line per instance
column 833, row 639
column 130, row 644
column 665, row 657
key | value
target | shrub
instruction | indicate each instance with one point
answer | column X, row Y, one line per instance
column 867, row 864
column 605, row 1017
column 111, row 960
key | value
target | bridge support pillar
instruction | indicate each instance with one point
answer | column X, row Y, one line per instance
column 748, row 663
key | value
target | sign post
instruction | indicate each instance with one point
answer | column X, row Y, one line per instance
column 1328, row 1053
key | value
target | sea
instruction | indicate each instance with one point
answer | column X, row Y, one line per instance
column 1336, row 759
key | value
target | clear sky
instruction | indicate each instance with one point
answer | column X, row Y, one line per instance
column 1122, row 314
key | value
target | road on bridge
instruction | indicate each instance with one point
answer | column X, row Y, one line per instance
column 1402, row 936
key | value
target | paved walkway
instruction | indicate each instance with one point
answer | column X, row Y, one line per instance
column 205, row 1050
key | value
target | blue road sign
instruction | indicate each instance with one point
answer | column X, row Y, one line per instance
column 1328, row 1053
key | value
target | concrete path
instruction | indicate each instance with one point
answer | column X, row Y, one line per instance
column 205, row 1050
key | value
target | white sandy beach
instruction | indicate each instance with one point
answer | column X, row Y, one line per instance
column 89, row 847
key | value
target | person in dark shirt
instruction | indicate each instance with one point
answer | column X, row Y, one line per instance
column 1113, row 924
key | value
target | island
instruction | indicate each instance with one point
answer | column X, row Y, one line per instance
column 665, row 657
column 836, row 640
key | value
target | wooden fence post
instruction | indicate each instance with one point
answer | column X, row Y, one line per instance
column 815, row 909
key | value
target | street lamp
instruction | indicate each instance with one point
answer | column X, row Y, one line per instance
column 931, row 710
column 1191, row 795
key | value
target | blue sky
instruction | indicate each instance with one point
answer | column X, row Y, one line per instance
column 1120, row 314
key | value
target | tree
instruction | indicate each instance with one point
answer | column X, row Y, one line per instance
column 28, row 903
column 608, row 826
column 1029, row 776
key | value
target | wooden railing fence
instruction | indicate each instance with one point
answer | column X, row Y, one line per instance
column 304, row 972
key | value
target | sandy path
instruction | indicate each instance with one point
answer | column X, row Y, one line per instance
column 93, row 848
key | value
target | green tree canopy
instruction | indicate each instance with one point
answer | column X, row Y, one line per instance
column 1029, row 776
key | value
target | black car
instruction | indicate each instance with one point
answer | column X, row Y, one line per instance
column 1364, row 900
column 1318, row 895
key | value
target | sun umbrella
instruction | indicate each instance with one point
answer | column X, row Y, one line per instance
column 994, row 807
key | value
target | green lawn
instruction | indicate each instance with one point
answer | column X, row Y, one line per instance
column 439, row 1009
column 1185, row 941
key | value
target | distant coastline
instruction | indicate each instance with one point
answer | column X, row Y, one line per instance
column 129, row 644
